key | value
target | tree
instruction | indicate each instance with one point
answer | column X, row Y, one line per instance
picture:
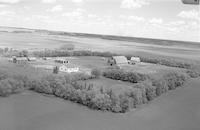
column 96, row 72
column 25, row 53
column 6, row 49
column 55, row 70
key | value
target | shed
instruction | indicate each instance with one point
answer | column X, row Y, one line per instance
column 61, row 60
column 135, row 60
column 19, row 60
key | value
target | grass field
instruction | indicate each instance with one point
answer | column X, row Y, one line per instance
column 176, row 110
column 25, row 69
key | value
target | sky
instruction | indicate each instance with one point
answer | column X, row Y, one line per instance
column 163, row 19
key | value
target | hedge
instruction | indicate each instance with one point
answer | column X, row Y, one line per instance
column 68, row 88
column 119, row 74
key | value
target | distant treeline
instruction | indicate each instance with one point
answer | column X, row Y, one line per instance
column 65, row 53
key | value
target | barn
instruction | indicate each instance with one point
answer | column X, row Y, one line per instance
column 68, row 68
column 118, row 60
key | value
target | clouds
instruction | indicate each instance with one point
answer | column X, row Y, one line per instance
column 9, row 1
column 77, row 1
column 7, row 13
column 132, row 4
column 57, row 8
column 190, row 14
column 75, row 15
column 54, row 1
column 156, row 21
column 49, row 1
column 115, row 17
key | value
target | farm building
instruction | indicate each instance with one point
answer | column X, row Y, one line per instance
column 61, row 60
column 68, row 68
column 46, row 58
column 135, row 60
column 118, row 60
column 19, row 60
column 31, row 58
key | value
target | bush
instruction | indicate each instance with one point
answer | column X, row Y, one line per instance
column 148, row 91
column 193, row 73
column 101, row 101
column 175, row 80
column 5, row 88
column 3, row 75
column 17, row 85
column 42, row 86
column 9, row 86
column 126, row 103
column 161, row 86
column 96, row 72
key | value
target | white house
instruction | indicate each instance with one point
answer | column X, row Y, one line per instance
column 135, row 60
column 68, row 68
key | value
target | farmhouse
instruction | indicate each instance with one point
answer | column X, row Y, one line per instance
column 118, row 60
column 61, row 60
column 135, row 60
column 68, row 68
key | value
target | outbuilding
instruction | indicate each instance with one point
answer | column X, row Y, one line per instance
column 19, row 60
column 61, row 60
column 118, row 60
column 135, row 60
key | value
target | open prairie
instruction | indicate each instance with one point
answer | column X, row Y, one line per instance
column 39, row 39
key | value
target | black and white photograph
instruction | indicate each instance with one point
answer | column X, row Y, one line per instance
column 99, row 64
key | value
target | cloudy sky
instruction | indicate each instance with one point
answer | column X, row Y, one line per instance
column 167, row 19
